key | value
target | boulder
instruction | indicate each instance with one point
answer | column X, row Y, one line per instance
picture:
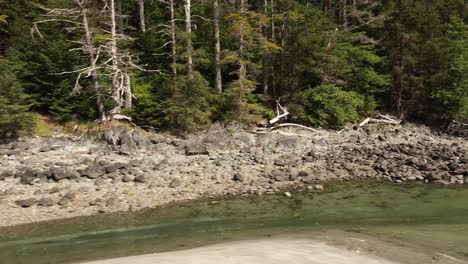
column 93, row 172
column 100, row 182
column 27, row 202
column 238, row 177
column 140, row 179
column 46, row 202
column 65, row 201
column 175, row 183
column 196, row 148
column 29, row 177
column 127, row 178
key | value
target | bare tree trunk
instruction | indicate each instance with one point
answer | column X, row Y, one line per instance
column 273, row 39
column 283, row 44
column 116, row 89
column 120, row 17
column 142, row 15
column 343, row 13
column 217, row 47
column 128, row 92
column 188, row 29
column 89, row 47
column 265, row 55
column 242, row 66
column 174, row 40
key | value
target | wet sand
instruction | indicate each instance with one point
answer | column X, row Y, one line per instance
column 271, row 251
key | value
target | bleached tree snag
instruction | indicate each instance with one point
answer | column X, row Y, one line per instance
column 89, row 48
column 363, row 123
column 173, row 39
column 188, row 30
column 265, row 54
column 281, row 112
column 141, row 4
column 115, row 72
column 128, row 92
column 217, row 47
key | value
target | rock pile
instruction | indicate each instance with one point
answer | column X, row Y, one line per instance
column 58, row 177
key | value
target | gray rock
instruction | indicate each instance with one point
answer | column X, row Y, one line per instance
column 54, row 190
column 111, row 202
column 175, row 183
column 238, row 177
column 64, row 201
column 280, row 162
column 196, row 148
column 46, row 202
column 127, row 178
column 44, row 149
column 140, row 179
column 26, row 203
column 93, row 172
column 69, row 195
column 435, row 176
column 100, row 182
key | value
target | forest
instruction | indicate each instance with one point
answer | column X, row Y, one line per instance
column 180, row 65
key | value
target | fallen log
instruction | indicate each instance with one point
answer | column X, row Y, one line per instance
column 384, row 119
column 296, row 125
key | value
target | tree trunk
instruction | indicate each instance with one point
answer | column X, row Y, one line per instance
column 273, row 39
column 119, row 17
column 283, row 45
column 128, row 92
column 343, row 13
column 142, row 15
column 265, row 54
column 242, row 66
column 89, row 47
column 116, row 89
column 188, row 29
column 217, row 47
column 174, row 40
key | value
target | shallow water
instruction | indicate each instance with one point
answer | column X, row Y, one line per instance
column 429, row 217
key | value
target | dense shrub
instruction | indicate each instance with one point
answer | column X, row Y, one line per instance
column 330, row 105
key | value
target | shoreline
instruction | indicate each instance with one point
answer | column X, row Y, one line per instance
column 273, row 251
column 325, row 247
column 45, row 179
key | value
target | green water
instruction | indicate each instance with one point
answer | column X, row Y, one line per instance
column 426, row 216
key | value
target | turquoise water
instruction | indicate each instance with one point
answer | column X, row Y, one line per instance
column 427, row 216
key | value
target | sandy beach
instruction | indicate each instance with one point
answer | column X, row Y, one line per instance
column 271, row 251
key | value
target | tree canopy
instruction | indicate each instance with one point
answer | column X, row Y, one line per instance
column 180, row 65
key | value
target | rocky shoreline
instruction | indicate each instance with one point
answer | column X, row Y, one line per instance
column 44, row 179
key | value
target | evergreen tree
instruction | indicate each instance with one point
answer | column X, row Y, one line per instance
column 14, row 116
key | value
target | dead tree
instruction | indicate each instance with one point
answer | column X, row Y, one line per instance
column 217, row 47
column 265, row 54
column 188, row 30
column 115, row 71
column 89, row 48
column 141, row 4
column 173, row 39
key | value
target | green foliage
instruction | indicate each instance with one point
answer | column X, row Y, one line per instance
column 451, row 93
column 14, row 116
column 388, row 57
column 188, row 108
column 328, row 105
